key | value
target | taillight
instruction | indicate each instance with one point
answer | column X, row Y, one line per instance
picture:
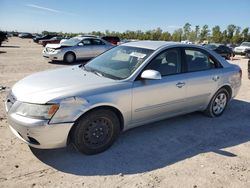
column 240, row 71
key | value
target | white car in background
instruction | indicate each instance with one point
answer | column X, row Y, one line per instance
column 186, row 42
column 241, row 50
column 76, row 48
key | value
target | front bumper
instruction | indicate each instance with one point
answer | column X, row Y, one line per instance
column 53, row 56
column 39, row 133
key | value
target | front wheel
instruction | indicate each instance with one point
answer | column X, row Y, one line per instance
column 218, row 103
column 69, row 57
column 96, row 131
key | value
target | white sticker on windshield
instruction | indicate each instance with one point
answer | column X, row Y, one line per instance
column 138, row 55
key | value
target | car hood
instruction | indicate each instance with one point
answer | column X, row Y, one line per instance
column 56, row 84
column 57, row 46
column 54, row 46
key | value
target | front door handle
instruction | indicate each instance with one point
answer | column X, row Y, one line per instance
column 180, row 84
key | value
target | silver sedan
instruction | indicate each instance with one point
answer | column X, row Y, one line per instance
column 76, row 48
column 130, row 85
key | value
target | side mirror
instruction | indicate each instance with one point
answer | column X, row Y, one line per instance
column 80, row 44
column 151, row 75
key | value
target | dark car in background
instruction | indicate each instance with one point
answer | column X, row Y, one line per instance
column 111, row 39
column 44, row 37
column 221, row 49
column 247, row 53
column 3, row 37
column 25, row 35
column 53, row 40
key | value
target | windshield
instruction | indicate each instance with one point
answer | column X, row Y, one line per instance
column 119, row 62
column 71, row 42
column 246, row 44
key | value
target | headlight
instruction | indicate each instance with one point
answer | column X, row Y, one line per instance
column 37, row 111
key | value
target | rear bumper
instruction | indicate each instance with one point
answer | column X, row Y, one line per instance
column 39, row 133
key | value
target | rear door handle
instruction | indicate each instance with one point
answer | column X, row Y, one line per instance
column 180, row 84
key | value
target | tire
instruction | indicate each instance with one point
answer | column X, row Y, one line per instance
column 218, row 103
column 69, row 57
column 96, row 131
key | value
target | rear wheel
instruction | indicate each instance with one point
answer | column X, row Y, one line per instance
column 218, row 103
column 96, row 131
column 69, row 57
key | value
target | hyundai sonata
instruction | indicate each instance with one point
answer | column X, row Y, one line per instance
column 127, row 86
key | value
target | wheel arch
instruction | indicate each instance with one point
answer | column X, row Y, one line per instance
column 69, row 52
column 107, row 107
column 229, row 90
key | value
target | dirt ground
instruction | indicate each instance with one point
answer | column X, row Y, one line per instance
column 186, row 151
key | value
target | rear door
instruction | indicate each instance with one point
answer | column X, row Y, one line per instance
column 203, row 74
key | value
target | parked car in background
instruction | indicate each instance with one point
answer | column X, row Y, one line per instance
column 43, row 37
column 3, row 37
column 53, row 40
column 186, row 42
column 25, row 35
column 126, row 40
column 129, row 85
column 247, row 53
column 241, row 50
column 111, row 39
column 221, row 49
column 76, row 48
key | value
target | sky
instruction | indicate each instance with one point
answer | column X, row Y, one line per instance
column 116, row 15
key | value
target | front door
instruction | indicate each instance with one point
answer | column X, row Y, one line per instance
column 84, row 49
column 155, row 99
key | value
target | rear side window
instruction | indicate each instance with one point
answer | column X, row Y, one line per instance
column 197, row 60
column 97, row 42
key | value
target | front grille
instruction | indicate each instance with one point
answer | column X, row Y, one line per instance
column 11, row 99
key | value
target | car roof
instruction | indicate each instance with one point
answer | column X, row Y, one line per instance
column 85, row 37
column 153, row 45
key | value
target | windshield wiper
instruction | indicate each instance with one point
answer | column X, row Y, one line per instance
column 98, row 73
column 91, row 70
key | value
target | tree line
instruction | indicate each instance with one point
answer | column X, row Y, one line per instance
column 232, row 34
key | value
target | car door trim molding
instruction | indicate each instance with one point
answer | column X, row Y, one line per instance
column 170, row 103
column 159, row 105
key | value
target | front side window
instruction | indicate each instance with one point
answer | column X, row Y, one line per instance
column 86, row 42
column 167, row 62
column 196, row 60
column 119, row 62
